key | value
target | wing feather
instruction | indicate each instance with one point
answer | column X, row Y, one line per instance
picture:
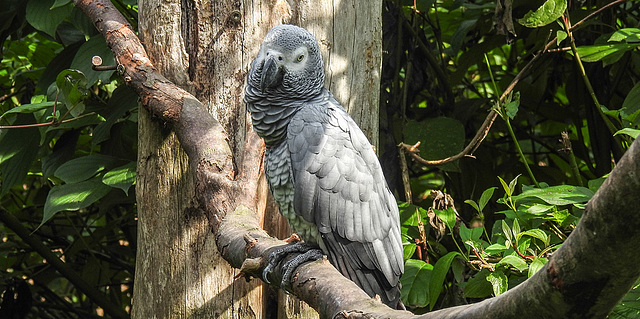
column 340, row 187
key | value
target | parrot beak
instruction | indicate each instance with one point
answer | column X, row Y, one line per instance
column 271, row 74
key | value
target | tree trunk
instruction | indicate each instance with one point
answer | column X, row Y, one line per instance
column 206, row 48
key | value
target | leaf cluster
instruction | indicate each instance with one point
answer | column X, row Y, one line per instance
column 68, row 144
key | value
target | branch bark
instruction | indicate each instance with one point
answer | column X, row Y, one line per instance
column 586, row 277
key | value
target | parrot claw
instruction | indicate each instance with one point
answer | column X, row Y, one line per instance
column 307, row 253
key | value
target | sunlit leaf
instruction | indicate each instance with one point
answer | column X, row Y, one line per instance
column 594, row 53
column 73, row 197
column 485, row 197
column 495, row 249
column 538, row 209
column 473, row 204
column 549, row 12
column 448, row 216
column 629, row 35
column 561, row 35
column 628, row 131
column 506, row 230
column 506, row 188
column 536, row 265
column 408, row 249
column 535, row 233
column 499, row 282
column 557, row 195
column 515, row 228
column 122, row 177
column 516, row 262
column 85, row 167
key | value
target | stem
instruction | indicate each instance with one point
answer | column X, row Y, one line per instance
column 520, row 153
column 572, row 158
column 585, row 79
column 505, row 117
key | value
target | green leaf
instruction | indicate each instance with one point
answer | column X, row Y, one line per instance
column 513, row 183
column 438, row 275
column 122, row 177
column 557, row 195
column 506, row 188
column 514, row 261
column 477, row 286
column 485, row 197
column 408, row 249
column 536, row 265
column 60, row 3
column 85, row 167
column 495, row 249
column 73, row 86
column 628, row 131
column 43, row 17
column 535, row 233
column 515, row 228
column 512, row 108
column 417, row 276
column 439, row 138
column 506, row 230
column 631, row 103
column 538, row 209
column 499, row 282
column 470, row 234
column 73, row 197
column 18, row 149
column 549, row 12
column 448, row 216
column 561, row 35
column 408, row 214
column 629, row 35
column 28, row 108
column 594, row 53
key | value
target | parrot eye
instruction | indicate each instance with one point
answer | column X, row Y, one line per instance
column 300, row 57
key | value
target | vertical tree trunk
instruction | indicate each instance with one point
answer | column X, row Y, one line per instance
column 206, row 48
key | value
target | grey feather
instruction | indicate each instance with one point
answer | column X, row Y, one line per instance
column 321, row 169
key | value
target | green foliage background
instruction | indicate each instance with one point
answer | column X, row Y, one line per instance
column 68, row 145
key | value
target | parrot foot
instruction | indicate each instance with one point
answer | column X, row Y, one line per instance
column 308, row 253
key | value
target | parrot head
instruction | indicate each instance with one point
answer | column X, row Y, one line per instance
column 289, row 62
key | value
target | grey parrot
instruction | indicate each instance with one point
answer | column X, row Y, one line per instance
column 320, row 167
